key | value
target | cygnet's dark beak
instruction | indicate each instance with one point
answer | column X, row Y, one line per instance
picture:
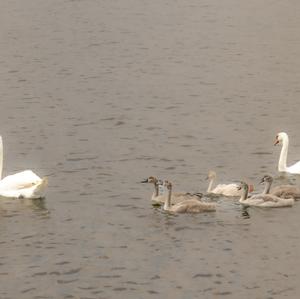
column 144, row 181
column 239, row 187
column 276, row 141
column 262, row 181
column 199, row 194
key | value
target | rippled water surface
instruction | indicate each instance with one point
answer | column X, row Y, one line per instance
column 98, row 95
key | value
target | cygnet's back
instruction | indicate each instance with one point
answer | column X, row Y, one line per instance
column 283, row 191
column 188, row 205
column 193, row 206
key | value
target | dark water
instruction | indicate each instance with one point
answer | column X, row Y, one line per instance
column 98, row 95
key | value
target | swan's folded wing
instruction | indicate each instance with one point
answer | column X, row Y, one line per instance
column 267, row 197
column 34, row 191
column 227, row 189
column 286, row 191
column 20, row 180
column 179, row 197
column 219, row 189
column 194, row 206
column 294, row 168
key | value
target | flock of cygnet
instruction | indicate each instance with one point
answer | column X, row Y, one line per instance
column 183, row 202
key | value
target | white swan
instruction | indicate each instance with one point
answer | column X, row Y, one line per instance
column 223, row 189
column 187, row 206
column 24, row 184
column 160, row 198
column 283, row 138
column 263, row 200
column 284, row 191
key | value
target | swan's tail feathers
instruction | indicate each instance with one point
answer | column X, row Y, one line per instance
column 40, row 189
column 44, row 181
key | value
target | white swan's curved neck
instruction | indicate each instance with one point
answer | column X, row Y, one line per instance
column 1, row 157
column 167, row 204
column 210, row 185
column 283, row 155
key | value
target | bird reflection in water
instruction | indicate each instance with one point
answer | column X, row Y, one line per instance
column 245, row 213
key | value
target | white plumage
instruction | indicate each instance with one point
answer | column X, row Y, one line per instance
column 25, row 184
column 283, row 138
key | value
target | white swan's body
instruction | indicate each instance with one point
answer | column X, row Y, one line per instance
column 263, row 200
column 222, row 189
column 158, row 198
column 283, row 191
column 226, row 189
column 284, row 139
column 187, row 206
column 24, row 184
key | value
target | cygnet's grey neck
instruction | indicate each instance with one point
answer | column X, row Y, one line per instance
column 167, row 204
column 210, row 185
column 244, row 194
column 267, row 188
column 156, row 189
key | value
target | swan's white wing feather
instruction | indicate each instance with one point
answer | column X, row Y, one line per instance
column 294, row 168
column 34, row 191
column 227, row 189
column 20, row 180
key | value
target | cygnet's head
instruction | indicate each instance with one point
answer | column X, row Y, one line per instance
column 168, row 185
column 243, row 186
column 266, row 179
column 160, row 182
column 165, row 183
column 211, row 175
column 280, row 137
column 150, row 179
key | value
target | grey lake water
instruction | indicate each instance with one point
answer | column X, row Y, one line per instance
column 98, row 95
